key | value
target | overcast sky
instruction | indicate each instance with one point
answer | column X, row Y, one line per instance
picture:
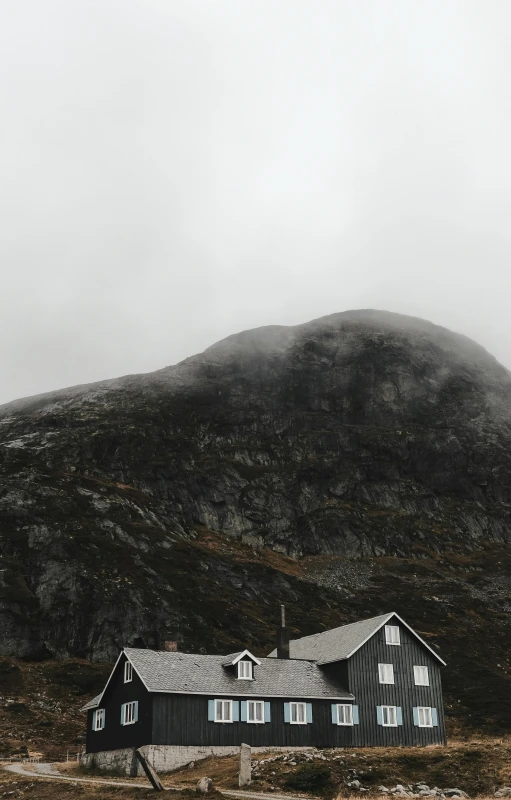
column 173, row 171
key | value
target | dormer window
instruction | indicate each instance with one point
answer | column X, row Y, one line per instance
column 245, row 670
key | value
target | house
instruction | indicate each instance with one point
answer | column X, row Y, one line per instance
column 371, row 683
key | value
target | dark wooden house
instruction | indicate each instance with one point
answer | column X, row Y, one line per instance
column 374, row 682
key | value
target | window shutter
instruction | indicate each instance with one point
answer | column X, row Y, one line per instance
column 235, row 710
column 122, row 714
column 211, row 710
column 399, row 715
column 415, row 716
column 379, row 715
column 308, row 709
column 243, row 710
column 287, row 713
column 104, row 717
column 94, row 720
column 434, row 717
column 334, row 713
column 267, row 711
column 136, row 710
column 355, row 715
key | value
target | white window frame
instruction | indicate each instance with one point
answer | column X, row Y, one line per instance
column 225, row 704
column 427, row 716
column 391, row 637
column 251, row 711
column 419, row 673
column 99, row 719
column 348, row 712
column 128, row 672
column 129, row 713
column 245, row 671
column 389, row 709
column 296, row 706
column 386, row 673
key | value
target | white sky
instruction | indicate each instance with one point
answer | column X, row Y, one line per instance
column 173, row 171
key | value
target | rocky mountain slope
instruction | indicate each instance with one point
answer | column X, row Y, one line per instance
column 353, row 465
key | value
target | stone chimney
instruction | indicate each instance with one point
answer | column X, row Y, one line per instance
column 170, row 647
column 283, row 636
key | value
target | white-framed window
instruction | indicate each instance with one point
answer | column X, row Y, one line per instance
column 129, row 713
column 389, row 716
column 223, row 710
column 386, row 673
column 128, row 672
column 345, row 715
column 245, row 670
column 255, row 711
column 392, row 634
column 98, row 721
column 421, row 676
column 298, row 713
column 425, row 717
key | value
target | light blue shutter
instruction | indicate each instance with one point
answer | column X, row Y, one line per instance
column 399, row 715
column 434, row 717
column 94, row 720
column 379, row 715
column 415, row 716
column 136, row 710
column 287, row 713
column 235, row 710
column 334, row 713
column 355, row 715
column 104, row 717
column 267, row 711
column 122, row 714
column 308, row 710
column 243, row 710
column 211, row 710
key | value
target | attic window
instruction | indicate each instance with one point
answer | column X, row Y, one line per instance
column 245, row 670
column 128, row 672
column 392, row 634
column 421, row 676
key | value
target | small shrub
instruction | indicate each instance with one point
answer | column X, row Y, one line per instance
column 312, row 778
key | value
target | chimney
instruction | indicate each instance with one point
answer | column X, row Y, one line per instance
column 170, row 647
column 283, row 636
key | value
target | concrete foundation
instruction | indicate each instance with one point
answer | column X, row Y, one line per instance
column 164, row 758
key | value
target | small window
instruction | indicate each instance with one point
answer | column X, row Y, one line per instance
column 344, row 715
column 389, row 716
column 425, row 717
column 245, row 670
column 255, row 711
column 421, row 676
column 223, row 710
column 128, row 672
column 386, row 673
column 392, row 634
column 98, row 722
column 129, row 713
column 298, row 713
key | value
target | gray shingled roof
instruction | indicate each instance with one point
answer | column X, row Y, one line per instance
column 92, row 703
column 187, row 673
column 340, row 643
column 335, row 644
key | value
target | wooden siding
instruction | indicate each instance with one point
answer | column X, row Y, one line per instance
column 369, row 693
column 183, row 720
column 114, row 735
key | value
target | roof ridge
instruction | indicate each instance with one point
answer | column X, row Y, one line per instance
column 341, row 627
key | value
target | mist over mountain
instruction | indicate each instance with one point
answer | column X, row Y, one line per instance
column 352, row 465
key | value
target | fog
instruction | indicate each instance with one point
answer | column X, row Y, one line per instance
column 173, row 171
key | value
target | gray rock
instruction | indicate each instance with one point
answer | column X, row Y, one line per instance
column 454, row 793
column 505, row 791
column 354, row 784
column 204, row 785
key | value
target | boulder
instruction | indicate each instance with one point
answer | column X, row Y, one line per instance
column 205, row 785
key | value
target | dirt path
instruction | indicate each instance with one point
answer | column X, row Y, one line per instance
column 47, row 772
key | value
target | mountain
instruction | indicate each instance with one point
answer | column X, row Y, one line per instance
column 350, row 466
